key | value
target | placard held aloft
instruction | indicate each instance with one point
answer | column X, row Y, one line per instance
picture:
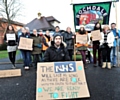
column 96, row 35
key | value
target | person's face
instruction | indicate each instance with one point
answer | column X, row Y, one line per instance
column 106, row 29
column 58, row 40
column 41, row 33
column 23, row 30
column 81, row 28
column 98, row 25
column 10, row 28
column 35, row 32
column 57, row 30
column 68, row 29
column 47, row 33
column 27, row 30
column 113, row 26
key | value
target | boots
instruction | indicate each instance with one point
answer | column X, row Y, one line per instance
column 104, row 65
column 109, row 65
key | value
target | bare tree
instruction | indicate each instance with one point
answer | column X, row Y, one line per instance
column 10, row 9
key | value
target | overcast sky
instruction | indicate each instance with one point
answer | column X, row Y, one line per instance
column 60, row 9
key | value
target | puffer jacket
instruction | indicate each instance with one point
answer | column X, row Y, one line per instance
column 110, row 39
column 69, row 40
column 52, row 54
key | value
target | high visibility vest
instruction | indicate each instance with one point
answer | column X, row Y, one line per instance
column 43, row 46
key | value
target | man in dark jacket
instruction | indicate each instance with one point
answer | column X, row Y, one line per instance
column 57, row 51
column 69, row 40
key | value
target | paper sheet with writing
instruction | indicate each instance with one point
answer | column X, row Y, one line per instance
column 10, row 37
column 81, row 39
column 61, row 80
column 25, row 44
column 96, row 35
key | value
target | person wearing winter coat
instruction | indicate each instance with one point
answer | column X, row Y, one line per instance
column 96, row 45
column 37, row 47
column 106, row 45
column 57, row 51
column 11, row 44
column 82, row 47
column 113, row 55
column 69, row 40
column 25, row 53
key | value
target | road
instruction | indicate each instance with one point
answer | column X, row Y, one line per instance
column 103, row 84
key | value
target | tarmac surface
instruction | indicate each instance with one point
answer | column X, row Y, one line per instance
column 103, row 84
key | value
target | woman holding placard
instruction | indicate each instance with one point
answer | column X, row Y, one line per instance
column 82, row 42
column 11, row 39
column 96, row 45
column 106, row 44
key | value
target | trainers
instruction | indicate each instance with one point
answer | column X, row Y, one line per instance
column 13, row 67
column 27, row 68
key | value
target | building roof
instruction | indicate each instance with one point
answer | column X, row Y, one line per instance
column 12, row 22
column 51, row 18
column 44, row 23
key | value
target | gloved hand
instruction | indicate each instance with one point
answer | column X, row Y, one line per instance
column 39, row 45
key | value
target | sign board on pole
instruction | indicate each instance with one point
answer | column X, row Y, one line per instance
column 61, row 80
column 25, row 44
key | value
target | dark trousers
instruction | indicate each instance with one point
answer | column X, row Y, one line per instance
column 70, row 54
column 26, row 57
column 106, row 54
column 12, row 56
column 36, row 59
column 95, row 49
column 83, row 53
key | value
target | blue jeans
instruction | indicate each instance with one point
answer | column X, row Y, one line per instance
column 26, row 57
column 113, row 56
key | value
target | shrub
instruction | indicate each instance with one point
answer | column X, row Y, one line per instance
column 3, row 46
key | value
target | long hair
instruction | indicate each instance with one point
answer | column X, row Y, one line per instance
column 95, row 27
column 82, row 32
column 8, row 28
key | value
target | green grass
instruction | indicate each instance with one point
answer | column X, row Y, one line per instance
column 4, row 54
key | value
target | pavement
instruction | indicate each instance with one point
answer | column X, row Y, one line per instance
column 103, row 84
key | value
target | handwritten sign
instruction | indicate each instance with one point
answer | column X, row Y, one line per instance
column 61, row 80
column 25, row 44
column 81, row 39
column 10, row 36
column 96, row 35
column 10, row 73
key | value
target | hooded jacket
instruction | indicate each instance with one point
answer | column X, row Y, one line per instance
column 52, row 54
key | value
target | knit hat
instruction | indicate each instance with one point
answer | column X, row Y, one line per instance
column 57, row 34
column 82, row 26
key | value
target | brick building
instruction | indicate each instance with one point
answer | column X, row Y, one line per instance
column 3, row 25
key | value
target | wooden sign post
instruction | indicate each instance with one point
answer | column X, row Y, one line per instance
column 61, row 80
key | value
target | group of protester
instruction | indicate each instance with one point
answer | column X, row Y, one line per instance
column 61, row 46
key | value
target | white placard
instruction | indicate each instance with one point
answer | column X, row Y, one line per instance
column 10, row 37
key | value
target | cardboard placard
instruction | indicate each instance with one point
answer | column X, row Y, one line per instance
column 25, row 44
column 10, row 73
column 81, row 38
column 10, row 37
column 96, row 35
column 61, row 80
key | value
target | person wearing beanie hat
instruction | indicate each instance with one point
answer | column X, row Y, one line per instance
column 57, row 51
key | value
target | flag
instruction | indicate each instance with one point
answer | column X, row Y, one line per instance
column 89, row 14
